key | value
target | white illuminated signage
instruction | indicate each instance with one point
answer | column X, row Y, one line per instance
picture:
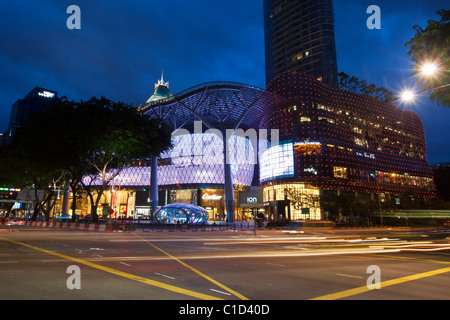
column 302, row 143
column 211, row 197
column 252, row 200
column 46, row 94
column 310, row 170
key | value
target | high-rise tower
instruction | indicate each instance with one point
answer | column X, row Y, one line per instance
column 299, row 36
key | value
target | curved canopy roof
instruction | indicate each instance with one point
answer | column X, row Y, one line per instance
column 220, row 105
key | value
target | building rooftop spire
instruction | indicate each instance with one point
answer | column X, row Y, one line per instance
column 161, row 82
column 161, row 90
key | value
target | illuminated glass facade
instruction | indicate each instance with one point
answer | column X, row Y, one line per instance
column 327, row 140
column 196, row 160
column 343, row 142
column 228, row 114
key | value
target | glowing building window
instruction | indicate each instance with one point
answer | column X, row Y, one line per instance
column 307, row 148
column 305, row 119
column 277, row 161
column 297, row 57
column 340, row 172
column 304, row 199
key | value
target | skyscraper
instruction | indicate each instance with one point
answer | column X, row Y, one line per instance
column 299, row 36
column 35, row 101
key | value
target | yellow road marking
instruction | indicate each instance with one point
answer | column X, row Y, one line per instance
column 121, row 273
column 355, row 291
column 240, row 296
column 409, row 258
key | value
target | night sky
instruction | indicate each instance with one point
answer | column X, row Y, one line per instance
column 123, row 46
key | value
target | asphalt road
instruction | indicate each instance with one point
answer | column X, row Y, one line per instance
column 39, row 264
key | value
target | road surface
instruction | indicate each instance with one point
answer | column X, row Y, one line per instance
column 41, row 264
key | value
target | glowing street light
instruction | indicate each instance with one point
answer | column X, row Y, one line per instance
column 407, row 95
column 429, row 69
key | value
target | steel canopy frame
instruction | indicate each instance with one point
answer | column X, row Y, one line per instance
column 218, row 105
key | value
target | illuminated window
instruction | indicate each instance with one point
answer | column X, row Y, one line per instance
column 357, row 130
column 326, row 119
column 305, row 119
column 304, row 199
column 340, row 172
column 297, row 57
column 307, row 148
column 360, row 142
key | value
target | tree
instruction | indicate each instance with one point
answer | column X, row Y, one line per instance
column 31, row 160
column 118, row 136
column 65, row 143
column 343, row 80
column 432, row 45
column 442, row 180
column 355, row 85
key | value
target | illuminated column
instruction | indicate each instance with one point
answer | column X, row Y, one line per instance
column 65, row 205
column 154, row 186
column 228, row 186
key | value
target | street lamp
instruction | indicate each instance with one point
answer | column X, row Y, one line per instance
column 409, row 95
column 430, row 69
column 427, row 70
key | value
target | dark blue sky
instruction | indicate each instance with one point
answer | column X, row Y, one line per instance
column 123, row 46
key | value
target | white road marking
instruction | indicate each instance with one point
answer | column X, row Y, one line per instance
column 226, row 293
column 126, row 264
column 277, row 265
column 348, row 275
column 163, row 275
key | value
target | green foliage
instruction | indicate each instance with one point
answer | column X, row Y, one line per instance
column 432, row 45
column 70, row 140
column 442, row 181
column 355, row 85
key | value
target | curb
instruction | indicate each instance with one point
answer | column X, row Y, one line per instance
column 71, row 226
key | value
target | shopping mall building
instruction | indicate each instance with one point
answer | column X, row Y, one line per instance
column 288, row 146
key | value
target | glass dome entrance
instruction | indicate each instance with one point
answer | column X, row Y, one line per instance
column 181, row 213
